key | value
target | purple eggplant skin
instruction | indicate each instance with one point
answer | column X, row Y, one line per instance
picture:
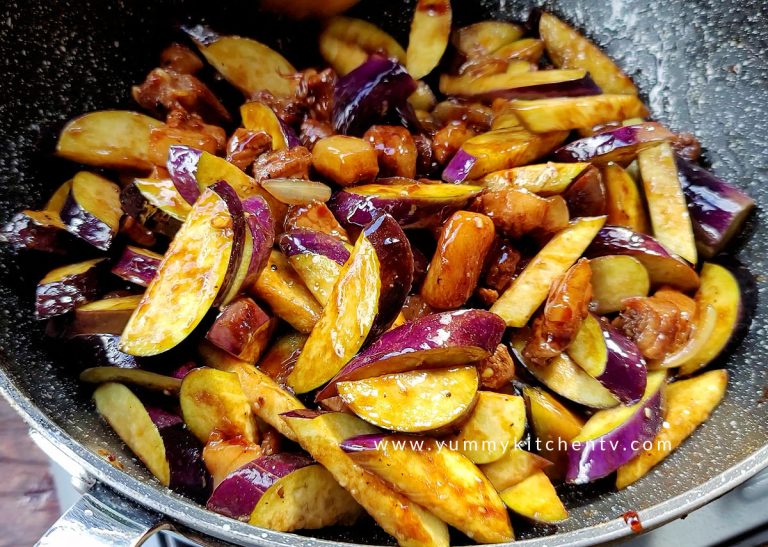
column 259, row 220
column 617, row 144
column 184, row 452
column 579, row 87
column 596, row 458
column 57, row 295
column 136, row 206
column 366, row 95
column 458, row 169
column 363, row 443
column 241, row 490
column 437, row 340
column 304, row 241
column 137, row 265
column 103, row 350
column 393, row 249
column 291, row 138
column 235, row 208
column 718, row 209
column 664, row 268
column 85, row 225
column 182, row 166
column 38, row 231
column 355, row 211
column 625, row 372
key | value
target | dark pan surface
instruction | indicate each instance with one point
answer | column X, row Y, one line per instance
column 701, row 66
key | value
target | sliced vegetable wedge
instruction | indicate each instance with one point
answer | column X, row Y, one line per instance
column 189, row 278
column 529, row 289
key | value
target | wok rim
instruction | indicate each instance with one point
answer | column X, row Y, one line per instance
column 196, row 518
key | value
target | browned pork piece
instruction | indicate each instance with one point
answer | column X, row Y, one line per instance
column 567, row 306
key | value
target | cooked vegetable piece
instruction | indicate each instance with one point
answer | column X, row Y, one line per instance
column 413, row 205
column 614, row 278
column 625, row 203
column 719, row 289
column 565, row 378
column 320, row 434
column 126, row 414
column 247, row 64
column 535, row 498
column 317, row 258
column 297, row 192
column 116, row 139
column 499, row 149
column 620, row 144
column 212, row 400
column 267, row 399
column 569, row 49
column 223, row 456
column 586, row 196
column 190, row 276
column 188, row 475
column 464, row 242
column 521, row 85
column 441, row 480
column 439, row 340
column 38, row 230
column 346, row 43
column 688, row 403
column 239, row 493
column 92, row 210
column 554, row 426
column 58, row 198
column 612, row 437
column 664, row 268
column 315, row 216
column 345, row 160
column 281, row 356
column 611, row 358
column 512, row 468
column 366, row 298
column 545, row 179
column 566, row 113
column 367, row 94
column 242, row 329
column 257, row 116
column 137, row 265
column 415, row 401
column 525, row 49
column 496, row 425
column 107, row 316
column 666, row 203
column 530, row 288
column 64, row 288
column 285, row 293
column 182, row 167
column 718, row 209
column 211, row 169
column 134, row 376
column 309, row 498
column 430, row 31
column 481, row 39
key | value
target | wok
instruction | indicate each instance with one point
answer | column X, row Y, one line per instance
column 699, row 63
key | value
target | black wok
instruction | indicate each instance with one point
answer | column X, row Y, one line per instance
column 700, row 64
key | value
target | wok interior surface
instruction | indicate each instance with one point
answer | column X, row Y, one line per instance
column 701, row 68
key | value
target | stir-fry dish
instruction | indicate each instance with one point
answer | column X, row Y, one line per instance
column 430, row 284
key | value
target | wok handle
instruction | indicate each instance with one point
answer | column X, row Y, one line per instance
column 104, row 518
